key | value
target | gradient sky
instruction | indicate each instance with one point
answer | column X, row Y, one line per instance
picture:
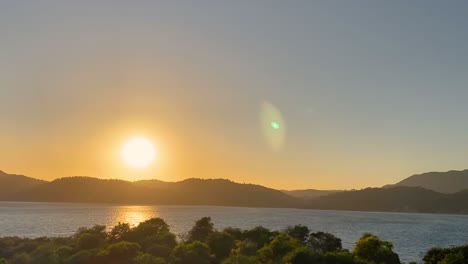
column 370, row 92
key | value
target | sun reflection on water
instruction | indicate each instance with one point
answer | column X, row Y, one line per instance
column 133, row 215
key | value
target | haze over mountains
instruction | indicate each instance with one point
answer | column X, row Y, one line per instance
column 428, row 193
column 444, row 182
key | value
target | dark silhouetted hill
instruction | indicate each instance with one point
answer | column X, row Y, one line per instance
column 188, row 192
column 12, row 183
column 394, row 199
column 444, row 182
column 221, row 192
column 309, row 193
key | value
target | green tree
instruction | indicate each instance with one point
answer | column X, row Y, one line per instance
column 45, row 254
column 221, row 244
column 281, row 245
column 236, row 233
column 321, row 242
column 144, row 258
column 84, row 257
column 259, row 235
column 121, row 252
column 21, row 258
column 119, row 232
column 154, row 237
column 245, row 247
column 146, row 229
column 240, row 259
column 89, row 241
column 371, row 248
column 94, row 237
column 299, row 232
column 300, row 255
column 201, row 230
column 194, row 252
column 435, row 255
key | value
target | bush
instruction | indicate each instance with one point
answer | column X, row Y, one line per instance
column 194, row 252
column 371, row 248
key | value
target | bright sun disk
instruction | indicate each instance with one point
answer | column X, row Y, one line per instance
column 138, row 152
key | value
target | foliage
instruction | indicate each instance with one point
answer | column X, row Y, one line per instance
column 323, row 242
column 201, row 230
column 151, row 242
column 221, row 244
column 194, row 252
column 299, row 232
column 452, row 255
column 371, row 248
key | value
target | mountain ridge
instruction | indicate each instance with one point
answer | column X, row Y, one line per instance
column 225, row 192
column 445, row 182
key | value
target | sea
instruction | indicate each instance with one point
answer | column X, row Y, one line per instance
column 411, row 234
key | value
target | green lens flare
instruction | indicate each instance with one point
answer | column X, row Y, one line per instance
column 274, row 125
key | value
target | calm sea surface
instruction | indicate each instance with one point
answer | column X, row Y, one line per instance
column 412, row 234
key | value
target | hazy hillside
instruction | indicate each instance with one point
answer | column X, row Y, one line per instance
column 222, row 192
column 188, row 192
column 444, row 182
column 11, row 183
column 394, row 199
column 309, row 193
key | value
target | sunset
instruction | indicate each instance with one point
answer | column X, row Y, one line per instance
column 231, row 132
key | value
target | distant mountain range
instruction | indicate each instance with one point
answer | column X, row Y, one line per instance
column 425, row 193
column 309, row 193
column 187, row 192
column 444, row 182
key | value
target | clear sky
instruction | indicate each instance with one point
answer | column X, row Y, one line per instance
column 366, row 92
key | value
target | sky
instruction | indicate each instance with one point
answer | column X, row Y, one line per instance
column 361, row 93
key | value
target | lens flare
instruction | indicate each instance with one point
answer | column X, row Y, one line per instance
column 273, row 125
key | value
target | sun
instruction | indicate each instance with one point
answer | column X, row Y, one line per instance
column 138, row 152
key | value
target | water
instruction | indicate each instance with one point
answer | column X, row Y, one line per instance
column 411, row 234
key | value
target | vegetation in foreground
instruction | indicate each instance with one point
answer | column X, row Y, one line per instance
column 151, row 242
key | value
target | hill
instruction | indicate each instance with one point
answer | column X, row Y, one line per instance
column 12, row 183
column 188, row 192
column 444, row 182
column 221, row 192
column 309, row 193
column 394, row 199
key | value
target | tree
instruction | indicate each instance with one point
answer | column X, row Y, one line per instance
column 194, row 252
column 245, row 247
column 21, row 258
column 259, row 235
column 299, row 255
column 221, row 244
column 452, row 255
column 89, row 241
column 371, row 248
column 299, row 232
column 201, row 230
column 119, row 232
column 121, row 252
column 281, row 245
column 94, row 237
column 45, row 254
column 321, row 242
column 153, row 236
column 240, row 259
column 146, row 229
column 236, row 233
column 435, row 255
column 144, row 258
